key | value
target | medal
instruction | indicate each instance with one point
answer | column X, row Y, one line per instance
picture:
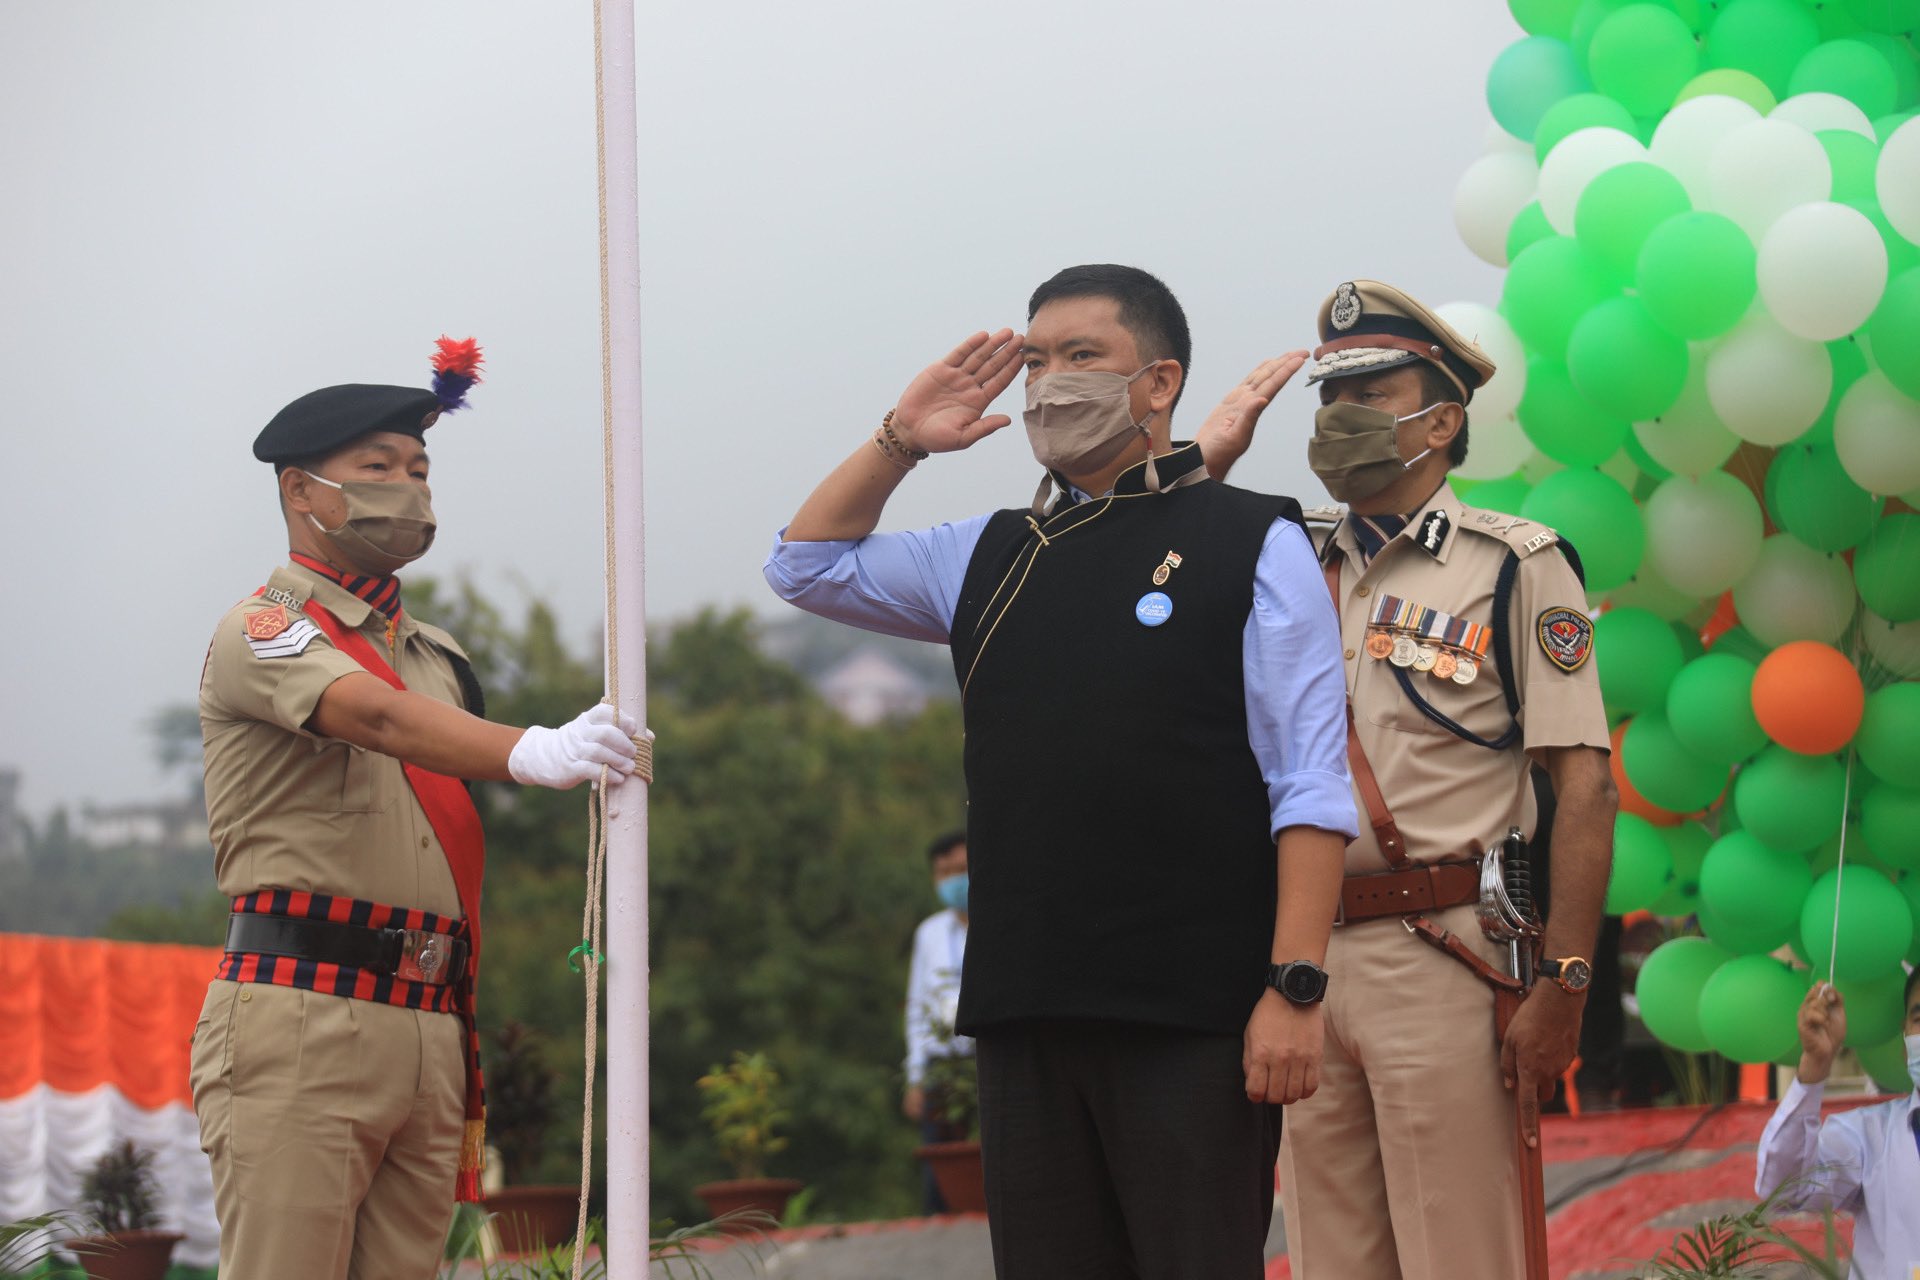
column 1444, row 665
column 1424, row 657
column 1379, row 645
column 1165, row 569
column 1466, row 671
column 1404, row 651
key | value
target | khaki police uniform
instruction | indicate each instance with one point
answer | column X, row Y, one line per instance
column 334, row 1124
column 1401, row 1165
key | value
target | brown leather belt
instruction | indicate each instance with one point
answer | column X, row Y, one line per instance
column 1429, row 887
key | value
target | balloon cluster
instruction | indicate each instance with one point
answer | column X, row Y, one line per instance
column 1709, row 351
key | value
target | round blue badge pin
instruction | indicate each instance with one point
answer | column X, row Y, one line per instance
column 1154, row 608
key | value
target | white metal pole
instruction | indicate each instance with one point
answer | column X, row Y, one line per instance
column 628, row 1219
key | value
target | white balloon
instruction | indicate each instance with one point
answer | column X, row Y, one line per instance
column 1702, row 535
column 1795, row 593
column 1897, row 179
column 1489, row 330
column 1764, row 168
column 1578, row 159
column 1684, row 141
column 1496, row 446
column 1876, row 431
column 1497, row 139
column 1492, row 190
column 1689, row 439
column 1815, row 112
column 1822, row 269
column 1766, row 385
column 1894, row 645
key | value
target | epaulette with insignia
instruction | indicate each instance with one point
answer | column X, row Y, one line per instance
column 278, row 631
column 1524, row 536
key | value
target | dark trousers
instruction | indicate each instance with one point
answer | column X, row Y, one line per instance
column 1116, row 1152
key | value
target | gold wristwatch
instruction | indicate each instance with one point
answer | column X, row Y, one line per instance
column 1573, row 973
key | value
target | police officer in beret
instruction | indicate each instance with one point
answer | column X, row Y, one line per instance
column 1468, row 654
column 334, row 1067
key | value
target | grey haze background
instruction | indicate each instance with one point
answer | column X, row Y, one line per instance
column 212, row 207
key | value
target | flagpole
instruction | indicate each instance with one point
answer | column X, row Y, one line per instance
column 628, row 1221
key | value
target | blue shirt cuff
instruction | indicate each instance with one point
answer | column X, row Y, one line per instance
column 1312, row 798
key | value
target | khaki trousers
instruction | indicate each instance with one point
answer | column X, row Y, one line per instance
column 334, row 1128
column 1401, row 1165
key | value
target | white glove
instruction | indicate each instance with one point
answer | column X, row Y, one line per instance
column 573, row 753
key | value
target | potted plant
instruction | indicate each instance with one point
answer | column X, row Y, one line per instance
column 952, row 1085
column 742, row 1104
column 119, row 1193
column 520, row 1114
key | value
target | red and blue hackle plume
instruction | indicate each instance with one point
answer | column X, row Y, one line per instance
column 456, row 367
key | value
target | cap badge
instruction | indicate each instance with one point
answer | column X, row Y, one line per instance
column 1346, row 307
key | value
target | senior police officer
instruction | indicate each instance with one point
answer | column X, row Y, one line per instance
column 334, row 1067
column 1468, row 654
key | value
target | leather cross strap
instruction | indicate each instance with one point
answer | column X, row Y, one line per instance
column 1432, row 887
column 1378, row 816
column 1450, row 942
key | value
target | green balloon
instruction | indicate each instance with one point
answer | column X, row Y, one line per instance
column 1875, row 1007
column 1849, row 360
column 1885, row 15
column 1765, row 38
column 1893, row 331
column 1852, row 158
column 1576, row 112
column 1827, row 856
column 1889, row 736
column 1887, row 1064
column 1530, row 75
column 1755, row 887
column 1909, row 887
column 1876, row 924
column 1696, row 274
column 1835, row 23
column 1665, row 772
column 1642, row 865
column 1903, row 60
column 1790, row 801
column 1529, row 225
column 1562, row 424
column 1594, row 513
column 1638, row 656
column 1710, row 707
column 1852, row 69
column 1886, row 568
column 1813, row 498
column 1750, row 1009
column 1624, row 363
column 1687, row 846
column 1544, row 17
column 1740, row 642
column 1689, row 638
column 1651, row 472
column 1740, row 937
column 1642, row 55
column 1730, row 82
column 1668, row 990
column 1591, row 15
column 1551, row 284
column 1621, row 207
column 1890, row 822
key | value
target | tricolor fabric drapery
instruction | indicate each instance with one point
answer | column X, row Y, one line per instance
column 94, row 1037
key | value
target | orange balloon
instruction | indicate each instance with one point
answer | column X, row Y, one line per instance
column 1808, row 698
column 1724, row 619
column 1631, row 801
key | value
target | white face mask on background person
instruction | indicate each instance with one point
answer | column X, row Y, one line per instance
column 389, row 523
column 1913, row 1060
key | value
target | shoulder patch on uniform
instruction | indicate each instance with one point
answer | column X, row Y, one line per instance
column 1524, row 536
column 1566, row 637
column 271, row 633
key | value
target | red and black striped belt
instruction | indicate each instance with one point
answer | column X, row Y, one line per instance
column 349, row 947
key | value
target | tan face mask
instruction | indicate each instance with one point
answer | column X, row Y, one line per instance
column 1355, row 449
column 389, row 524
column 1077, row 423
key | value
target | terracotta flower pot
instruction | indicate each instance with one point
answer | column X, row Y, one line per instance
column 532, row 1218
column 127, row 1255
column 768, row 1195
column 958, row 1173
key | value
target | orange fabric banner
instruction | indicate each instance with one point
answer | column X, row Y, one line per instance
column 77, row 1013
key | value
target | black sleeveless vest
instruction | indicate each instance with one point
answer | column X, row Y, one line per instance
column 1120, row 861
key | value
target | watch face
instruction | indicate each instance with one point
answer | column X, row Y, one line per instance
column 1576, row 974
column 1303, row 983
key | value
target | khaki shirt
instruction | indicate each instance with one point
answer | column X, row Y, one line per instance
column 288, row 809
column 1442, row 790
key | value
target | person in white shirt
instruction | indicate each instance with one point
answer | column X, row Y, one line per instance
column 933, row 995
column 1866, row 1161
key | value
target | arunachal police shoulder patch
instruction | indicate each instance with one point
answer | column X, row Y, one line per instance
column 1566, row 637
column 1345, row 312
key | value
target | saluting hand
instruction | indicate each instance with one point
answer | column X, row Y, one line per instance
column 941, row 410
column 1281, row 1050
column 1540, row 1045
column 1228, row 431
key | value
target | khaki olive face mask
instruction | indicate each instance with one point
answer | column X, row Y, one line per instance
column 1355, row 449
column 389, row 523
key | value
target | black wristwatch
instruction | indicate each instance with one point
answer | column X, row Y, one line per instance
column 1301, row 981
column 1573, row 974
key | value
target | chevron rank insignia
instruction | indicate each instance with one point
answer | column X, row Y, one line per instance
column 274, row 633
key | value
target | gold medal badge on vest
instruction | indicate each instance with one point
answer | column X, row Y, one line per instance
column 1165, row 568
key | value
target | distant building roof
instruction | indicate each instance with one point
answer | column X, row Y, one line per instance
column 868, row 687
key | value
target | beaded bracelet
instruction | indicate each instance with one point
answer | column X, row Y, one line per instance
column 886, row 425
column 886, row 451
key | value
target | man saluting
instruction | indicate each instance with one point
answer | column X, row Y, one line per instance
column 334, row 1067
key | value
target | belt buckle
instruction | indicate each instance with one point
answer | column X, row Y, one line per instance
column 423, row 956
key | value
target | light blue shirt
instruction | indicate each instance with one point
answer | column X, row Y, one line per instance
column 908, row 584
column 1864, row 1162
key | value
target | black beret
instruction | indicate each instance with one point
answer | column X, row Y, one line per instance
column 321, row 421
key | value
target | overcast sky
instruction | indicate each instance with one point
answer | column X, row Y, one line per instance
column 212, row 207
